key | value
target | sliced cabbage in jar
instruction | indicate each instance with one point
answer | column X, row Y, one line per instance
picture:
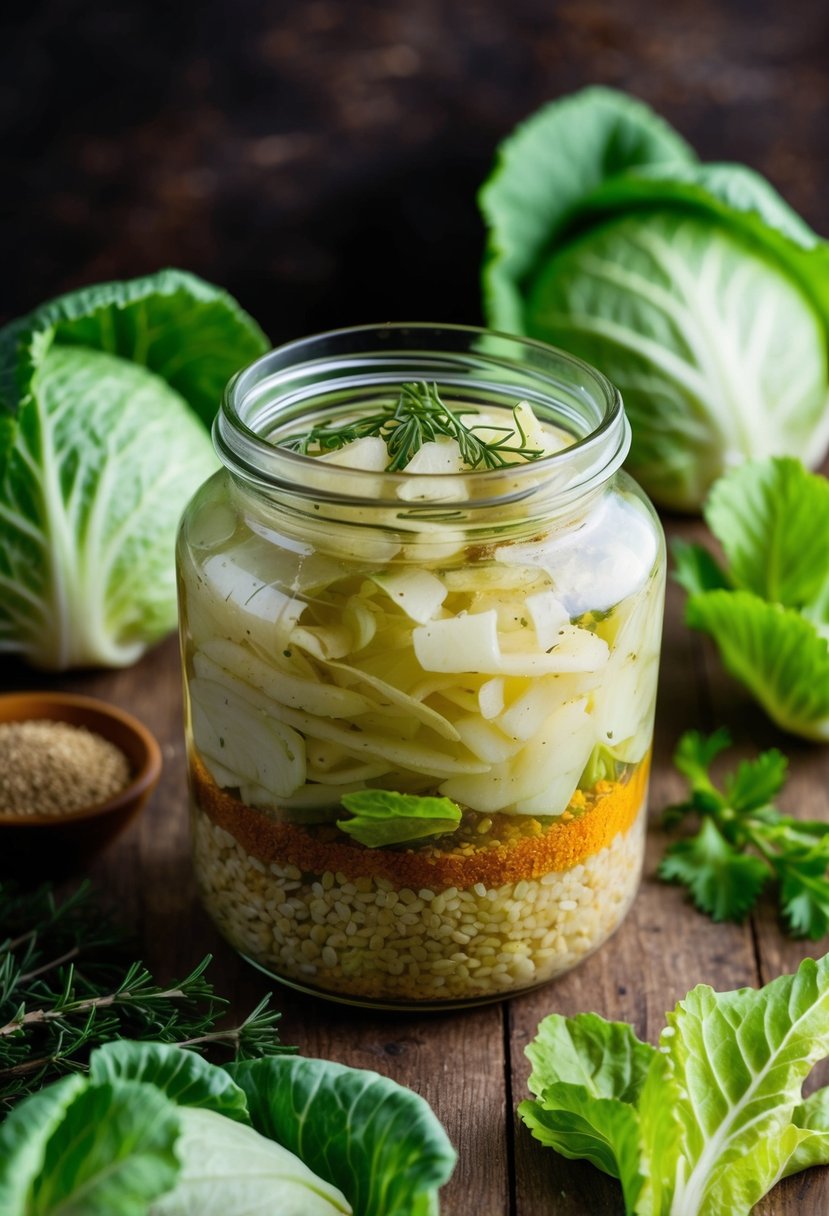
column 502, row 683
column 237, row 739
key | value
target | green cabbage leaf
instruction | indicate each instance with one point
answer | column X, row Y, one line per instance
column 156, row 1130
column 105, row 399
column 767, row 609
column 379, row 1143
column 694, row 287
column 706, row 1124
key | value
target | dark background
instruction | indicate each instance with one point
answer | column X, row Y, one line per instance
column 320, row 159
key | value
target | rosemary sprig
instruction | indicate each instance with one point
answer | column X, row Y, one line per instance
column 65, row 989
column 419, row 416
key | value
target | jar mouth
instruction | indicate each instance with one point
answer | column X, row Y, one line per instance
column 310, row 379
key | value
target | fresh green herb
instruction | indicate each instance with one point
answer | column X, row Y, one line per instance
column 64, row 992
column 768, row 610
column 157, row 1131
column 420, row 416
column 106, row 395
column 384, row 817
column 694, row 287
column 743, row 841
column 708, row 1122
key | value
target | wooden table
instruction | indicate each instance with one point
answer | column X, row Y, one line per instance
column 470, row 1066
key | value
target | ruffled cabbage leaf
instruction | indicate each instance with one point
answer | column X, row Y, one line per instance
column 694, row 287
column 708, row 1123
column 156, row 1130
column 105, row 397
column 379, row 1143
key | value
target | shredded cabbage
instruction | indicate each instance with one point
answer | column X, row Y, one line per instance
column 491, row 682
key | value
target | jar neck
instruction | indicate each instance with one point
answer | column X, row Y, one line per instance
column 336, row 374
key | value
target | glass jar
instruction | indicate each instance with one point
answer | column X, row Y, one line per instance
column 489, row 637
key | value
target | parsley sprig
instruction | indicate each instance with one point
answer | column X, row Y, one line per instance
column 743, row 840
column 419, row 416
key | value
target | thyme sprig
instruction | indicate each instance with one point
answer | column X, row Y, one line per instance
column 420, row 415
column 65, row 988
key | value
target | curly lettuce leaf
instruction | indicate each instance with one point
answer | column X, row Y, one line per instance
column 587, row 1076
column 737, row 1062
column 103, row 398
column 714, row 1117
column 379, row 1143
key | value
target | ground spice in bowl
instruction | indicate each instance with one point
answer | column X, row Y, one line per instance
column 48, row 767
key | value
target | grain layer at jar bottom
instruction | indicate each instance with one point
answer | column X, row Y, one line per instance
column 514, row 903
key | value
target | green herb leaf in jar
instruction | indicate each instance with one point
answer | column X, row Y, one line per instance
column 383, row 817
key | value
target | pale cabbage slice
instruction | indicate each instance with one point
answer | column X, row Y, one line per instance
column 233, row 601
column 323, row 641
column 400, row 752
column 575, row 650
column 354, row 774
column 228, row 1169
column 368, row 453
column 418, row 592
column 471, row 643
column 497, row 578
column 624, row 708
column 247, row 742
column 433, row 463
column 320, row 698
column 360, row 621
column 528, row 712
column 458, row 644
column 491, row 698
column 485, row 740
column 595, row 566
column 396, row 696
column 490, row 426
column 549, row 617
column 624, row 704
column 541, row 778
column 430, row 541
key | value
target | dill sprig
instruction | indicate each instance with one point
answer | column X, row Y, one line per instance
column 66, row 989
column 418, row 416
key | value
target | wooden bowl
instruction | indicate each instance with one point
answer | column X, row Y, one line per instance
column 50, row 845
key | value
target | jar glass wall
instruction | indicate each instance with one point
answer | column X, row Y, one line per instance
column 488, row 637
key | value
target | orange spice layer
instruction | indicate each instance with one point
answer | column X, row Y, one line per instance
column 566, row 843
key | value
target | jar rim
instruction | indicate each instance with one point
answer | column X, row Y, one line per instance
column 270, row 383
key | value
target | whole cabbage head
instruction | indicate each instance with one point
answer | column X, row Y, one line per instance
column 693, row 287
column 106, row 395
